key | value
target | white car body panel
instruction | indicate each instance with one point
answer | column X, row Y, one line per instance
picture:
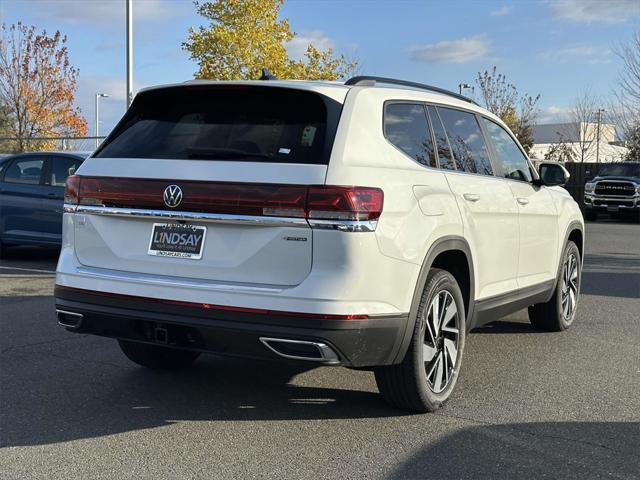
column 333, row 272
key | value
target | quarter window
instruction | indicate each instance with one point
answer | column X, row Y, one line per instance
column 406, row 126
column 466, row 140
column 510, row 158
column 26, row 171
column 444, row 152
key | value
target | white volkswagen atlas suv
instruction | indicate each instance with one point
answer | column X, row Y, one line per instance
column 369, row 224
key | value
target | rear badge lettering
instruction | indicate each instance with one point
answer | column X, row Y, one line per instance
column 295, row 239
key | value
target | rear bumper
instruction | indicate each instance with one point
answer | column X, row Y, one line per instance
column 356, row 342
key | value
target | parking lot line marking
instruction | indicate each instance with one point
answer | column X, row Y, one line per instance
column 35, row 270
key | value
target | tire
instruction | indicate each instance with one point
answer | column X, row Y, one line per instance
column 591, row 216
column 416, row 385
column 157, row 357
column 559, row 312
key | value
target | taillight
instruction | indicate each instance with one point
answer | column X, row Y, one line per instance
column 72, row 190
column 344, row 203
column 321, row 202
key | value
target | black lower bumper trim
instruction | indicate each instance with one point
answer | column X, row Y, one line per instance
column 357, row 343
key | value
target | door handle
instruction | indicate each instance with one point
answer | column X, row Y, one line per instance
column 523, row 201
column 471, row 197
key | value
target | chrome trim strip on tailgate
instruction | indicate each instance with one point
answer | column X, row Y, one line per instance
column 171, row 281
column 340, row 225
column 345, row 225
column 193, row 216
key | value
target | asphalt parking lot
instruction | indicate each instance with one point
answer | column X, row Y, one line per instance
column 528, row 404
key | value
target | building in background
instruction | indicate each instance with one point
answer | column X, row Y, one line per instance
column 578, row 137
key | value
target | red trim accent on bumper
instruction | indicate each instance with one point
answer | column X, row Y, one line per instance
column 208, row 306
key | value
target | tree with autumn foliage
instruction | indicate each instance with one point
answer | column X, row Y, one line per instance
column 245, row 36
column 37, row 87
column 503, row 99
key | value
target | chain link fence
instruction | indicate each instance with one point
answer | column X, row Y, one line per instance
column 11, row 145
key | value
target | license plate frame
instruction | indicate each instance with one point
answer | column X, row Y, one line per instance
column 182, row 240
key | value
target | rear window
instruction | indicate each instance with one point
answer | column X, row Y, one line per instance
column 239, row 123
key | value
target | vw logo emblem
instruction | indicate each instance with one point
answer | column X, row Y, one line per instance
column 172, row 196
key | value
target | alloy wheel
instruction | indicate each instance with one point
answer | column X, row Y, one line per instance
column 569, row 286
column 441, row 340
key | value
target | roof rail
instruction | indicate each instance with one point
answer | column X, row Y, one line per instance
column 365, row 80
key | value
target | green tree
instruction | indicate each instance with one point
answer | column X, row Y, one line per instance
column 633, row 143
column 245, row 36
column 503, row 99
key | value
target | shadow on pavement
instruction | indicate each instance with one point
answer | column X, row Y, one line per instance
column 531, row 450
column 504, row 326
column 612, row 261
column 616, row 276
column 83, row 388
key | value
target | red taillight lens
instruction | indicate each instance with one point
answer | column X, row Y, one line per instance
column 72, row 190
column 316, row 202
column 344, row 203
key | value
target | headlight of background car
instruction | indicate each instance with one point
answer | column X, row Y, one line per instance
column 589, row 187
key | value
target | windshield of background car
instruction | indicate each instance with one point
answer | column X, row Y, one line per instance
column 240, row 123
column 620, row 170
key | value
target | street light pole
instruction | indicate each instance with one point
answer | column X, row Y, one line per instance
column 96, row 130
column 129, row 52
column 599, row 113
column 463, row 85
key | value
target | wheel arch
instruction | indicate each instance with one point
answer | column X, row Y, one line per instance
column 574, row 233
column 451, row 253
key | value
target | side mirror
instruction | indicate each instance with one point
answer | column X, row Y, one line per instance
column 553, row 174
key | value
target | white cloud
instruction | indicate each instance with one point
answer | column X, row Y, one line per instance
column 582, row 53
column 104, row 11
column 506, row 10
column 591, row 11
column 297, row 47
column 452, row 51
column 554, row 114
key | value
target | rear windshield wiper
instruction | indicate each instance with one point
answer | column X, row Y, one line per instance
column 222, row 154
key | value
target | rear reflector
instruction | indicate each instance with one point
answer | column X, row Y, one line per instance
column 60, row 290
column 274, row 200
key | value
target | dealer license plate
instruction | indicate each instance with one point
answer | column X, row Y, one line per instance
column 177, row 240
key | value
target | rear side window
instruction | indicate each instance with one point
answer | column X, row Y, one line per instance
column 240, row 123
column 510, row 158
column 467, row 142
column 445, row 157
column 406, row 126
column 27, row 170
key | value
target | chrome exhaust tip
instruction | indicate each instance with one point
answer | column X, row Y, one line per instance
column 301, row 350
column 69, row 319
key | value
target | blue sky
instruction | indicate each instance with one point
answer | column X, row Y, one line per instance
column 553, row 47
